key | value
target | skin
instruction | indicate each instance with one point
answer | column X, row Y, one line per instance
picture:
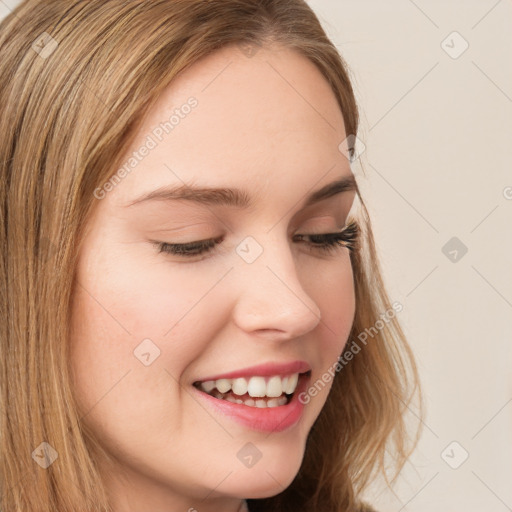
column 253, row 131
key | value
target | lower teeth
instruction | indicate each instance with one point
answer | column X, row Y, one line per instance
column 261, row 403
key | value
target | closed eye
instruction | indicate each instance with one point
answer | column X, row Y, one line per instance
column 325, row 243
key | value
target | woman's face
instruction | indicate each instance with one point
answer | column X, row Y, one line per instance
column 260, row 307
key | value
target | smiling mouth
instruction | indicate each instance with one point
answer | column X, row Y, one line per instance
column 256, row 391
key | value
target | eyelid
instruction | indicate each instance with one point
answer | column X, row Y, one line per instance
column 346, row 237
column 305, row 232
column 174, row 231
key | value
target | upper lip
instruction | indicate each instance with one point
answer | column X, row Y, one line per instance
column 263, row 370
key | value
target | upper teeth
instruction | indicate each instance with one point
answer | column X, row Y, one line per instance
column 273, row 386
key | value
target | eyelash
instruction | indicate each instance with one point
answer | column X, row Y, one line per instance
column 326, row 243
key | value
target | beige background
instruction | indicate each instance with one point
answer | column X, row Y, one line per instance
column 437, row 127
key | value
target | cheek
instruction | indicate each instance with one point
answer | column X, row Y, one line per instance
column 332, row 287
column 118, row 395
column 152, row 296
column 137, row 295
column 334, row 293
column 118, row 306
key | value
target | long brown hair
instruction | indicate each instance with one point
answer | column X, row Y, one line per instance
column 76, row 79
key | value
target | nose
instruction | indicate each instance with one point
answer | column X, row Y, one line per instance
column 272, row 300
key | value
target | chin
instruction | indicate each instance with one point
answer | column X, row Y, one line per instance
column 269, row 479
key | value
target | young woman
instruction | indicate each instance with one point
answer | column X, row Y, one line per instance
column 193, row 315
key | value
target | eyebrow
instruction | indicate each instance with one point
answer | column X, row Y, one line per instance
column 238, row 198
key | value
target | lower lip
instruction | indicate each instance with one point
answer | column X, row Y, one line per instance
column 268, row 419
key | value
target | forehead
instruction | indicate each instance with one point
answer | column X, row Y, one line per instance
column 265, row 122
